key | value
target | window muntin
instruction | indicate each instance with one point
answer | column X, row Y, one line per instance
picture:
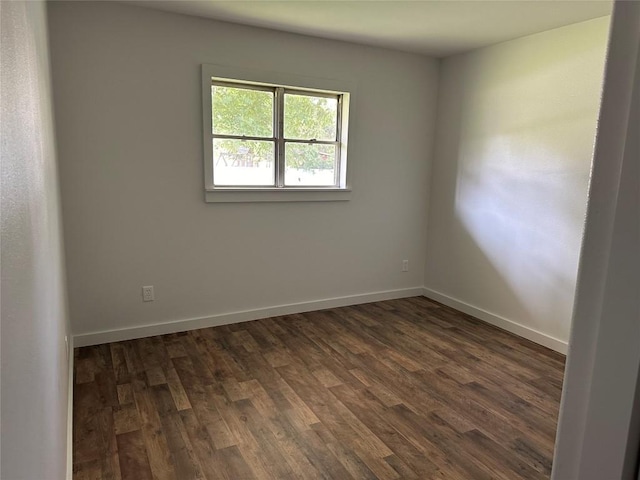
column 273, row 137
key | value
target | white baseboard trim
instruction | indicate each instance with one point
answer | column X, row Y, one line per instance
column 130, row 333
column 70, row 413
column 498, row 321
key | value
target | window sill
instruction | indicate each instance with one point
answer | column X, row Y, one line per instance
column 239, row 195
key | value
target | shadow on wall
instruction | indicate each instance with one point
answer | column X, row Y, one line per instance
column 511, row 176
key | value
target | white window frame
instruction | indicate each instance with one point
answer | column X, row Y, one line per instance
column 280, row 83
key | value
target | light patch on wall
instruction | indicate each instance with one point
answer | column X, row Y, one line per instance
column 520, row 222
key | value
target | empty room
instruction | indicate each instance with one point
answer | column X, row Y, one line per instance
column 309, row 239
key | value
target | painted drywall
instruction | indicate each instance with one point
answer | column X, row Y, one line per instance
column 128, row 112
column 515, row 134
column 34, row 322
column 599, row 425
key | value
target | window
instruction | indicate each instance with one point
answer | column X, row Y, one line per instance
column 270, row 142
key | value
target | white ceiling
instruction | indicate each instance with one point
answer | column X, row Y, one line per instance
column 438, row 27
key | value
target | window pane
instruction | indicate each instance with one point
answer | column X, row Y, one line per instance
column 240, row 111
column 243, row 162
column 307, row 117
column 309, row 164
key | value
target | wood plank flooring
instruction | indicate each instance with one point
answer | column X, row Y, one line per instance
column 402, row 389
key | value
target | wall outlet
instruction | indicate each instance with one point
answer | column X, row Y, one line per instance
column 405, row 265
column 147, row 294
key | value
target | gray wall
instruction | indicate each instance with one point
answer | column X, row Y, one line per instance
column 515, row 132
column 34, row 381
column 128, row 110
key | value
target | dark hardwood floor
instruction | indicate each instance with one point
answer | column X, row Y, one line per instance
column 405, row 389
